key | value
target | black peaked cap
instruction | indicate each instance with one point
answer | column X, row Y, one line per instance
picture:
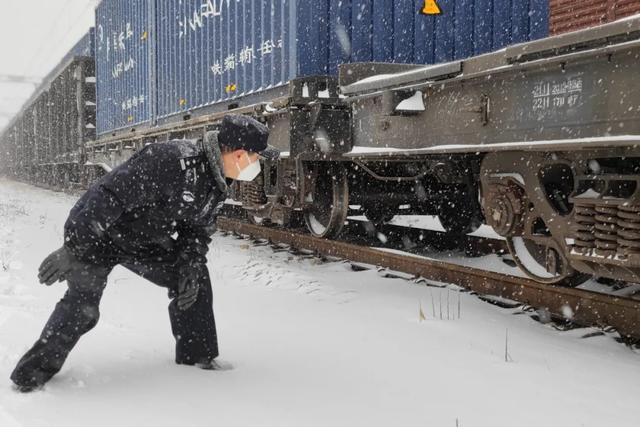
column 243, row 133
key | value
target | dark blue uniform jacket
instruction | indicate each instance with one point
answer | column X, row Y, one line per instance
column 148, row 206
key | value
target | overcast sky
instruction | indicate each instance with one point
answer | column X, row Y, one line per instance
column 34, row 36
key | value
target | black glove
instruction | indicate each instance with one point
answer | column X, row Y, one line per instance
column 55, row 267
column 188, row 286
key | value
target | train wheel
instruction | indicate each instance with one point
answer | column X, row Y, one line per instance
column 540, row 261
column 327, row 212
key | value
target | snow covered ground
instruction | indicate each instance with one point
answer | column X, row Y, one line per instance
column 311, row 344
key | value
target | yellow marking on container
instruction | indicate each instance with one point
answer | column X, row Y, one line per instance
column 231, row 88
column 182, row 102
column 145, row 35
column 431, row 7
column 130, row 119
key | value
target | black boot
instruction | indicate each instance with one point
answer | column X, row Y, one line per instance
column 215, row 365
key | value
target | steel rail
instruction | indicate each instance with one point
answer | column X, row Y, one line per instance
column 587, row 308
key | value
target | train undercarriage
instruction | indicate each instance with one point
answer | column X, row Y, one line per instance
column 565, row 217
column 325, row 193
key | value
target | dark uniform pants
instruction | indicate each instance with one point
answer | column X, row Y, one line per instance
column 77, row 313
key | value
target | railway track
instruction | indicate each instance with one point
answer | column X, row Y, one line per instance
column 581, row 307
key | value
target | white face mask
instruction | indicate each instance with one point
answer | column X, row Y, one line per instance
column 250, row 172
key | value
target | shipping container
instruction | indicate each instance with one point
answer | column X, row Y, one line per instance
column 124, row 76
column 572, row 15
column 213, row 51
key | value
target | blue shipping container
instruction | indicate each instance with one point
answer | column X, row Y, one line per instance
column 215, row 50
column 123, row 72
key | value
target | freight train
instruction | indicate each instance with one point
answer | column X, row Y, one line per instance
column 496, row 112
